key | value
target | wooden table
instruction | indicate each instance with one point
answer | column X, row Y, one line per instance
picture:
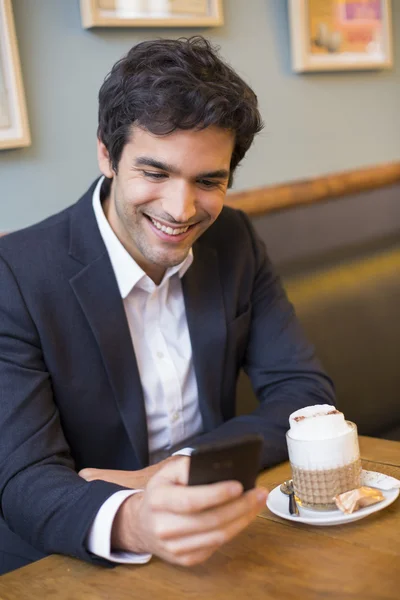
column 273, row 558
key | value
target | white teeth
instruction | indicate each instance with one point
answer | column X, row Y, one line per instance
column 169, row 230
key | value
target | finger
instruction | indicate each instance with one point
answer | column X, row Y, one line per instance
column 190, row 500
column 88, row 474
column 193, row 558
column 172, row 526
column 110, row 475
column 212, row 539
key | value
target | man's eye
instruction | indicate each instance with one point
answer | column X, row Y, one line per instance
column 208, row 183
column 154, row 175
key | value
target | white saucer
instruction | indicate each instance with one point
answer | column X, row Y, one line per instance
column 278, row 503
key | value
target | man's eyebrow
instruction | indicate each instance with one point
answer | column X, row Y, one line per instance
column 220, row 174
column 147, row 161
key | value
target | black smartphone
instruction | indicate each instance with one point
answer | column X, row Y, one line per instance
column 236, row 459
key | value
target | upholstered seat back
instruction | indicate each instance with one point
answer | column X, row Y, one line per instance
column 351, row 313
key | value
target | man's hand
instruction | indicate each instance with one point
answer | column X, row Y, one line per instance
column 181, row 524
column 130, row 479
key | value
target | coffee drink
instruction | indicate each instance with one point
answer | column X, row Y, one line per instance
column 324, row 455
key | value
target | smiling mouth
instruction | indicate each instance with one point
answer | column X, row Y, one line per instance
column 168, row 229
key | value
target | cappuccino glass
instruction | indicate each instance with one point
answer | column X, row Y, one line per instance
column 322, row 469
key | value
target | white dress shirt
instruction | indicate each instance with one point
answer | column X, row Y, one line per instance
column 160, row 337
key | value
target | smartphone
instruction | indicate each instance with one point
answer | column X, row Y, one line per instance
column 236, row 459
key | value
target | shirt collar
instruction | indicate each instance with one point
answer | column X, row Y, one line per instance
column 127, row 272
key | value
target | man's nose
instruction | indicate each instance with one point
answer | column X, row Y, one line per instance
column 180, row 203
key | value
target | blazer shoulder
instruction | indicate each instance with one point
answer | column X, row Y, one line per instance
column 30, row 239
column 230, row 223
column 233, row 232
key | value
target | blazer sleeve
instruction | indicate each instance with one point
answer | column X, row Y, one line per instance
column 280, row 362
column 42, row 498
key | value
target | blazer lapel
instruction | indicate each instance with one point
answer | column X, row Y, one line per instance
column 207, row 327
column 97, row 292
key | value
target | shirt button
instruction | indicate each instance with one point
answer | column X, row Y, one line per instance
column 160, row 355
column 174, row 417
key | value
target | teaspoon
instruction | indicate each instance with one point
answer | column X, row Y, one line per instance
column 287, row 488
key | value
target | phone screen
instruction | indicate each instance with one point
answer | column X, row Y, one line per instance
column 237, row 459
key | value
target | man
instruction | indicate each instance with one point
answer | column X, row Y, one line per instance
column 124, row 321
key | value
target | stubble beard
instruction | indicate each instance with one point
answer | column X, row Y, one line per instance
column 135, row 225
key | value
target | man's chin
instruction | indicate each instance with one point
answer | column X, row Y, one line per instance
column 167, row 262
column 171, row 263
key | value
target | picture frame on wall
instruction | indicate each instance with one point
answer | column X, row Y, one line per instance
column 14, row 127
column 338, row 35
column 151, row 13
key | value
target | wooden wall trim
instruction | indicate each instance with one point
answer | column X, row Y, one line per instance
column 268, row 199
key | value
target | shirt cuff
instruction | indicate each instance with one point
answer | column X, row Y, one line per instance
column 183, row 452
column 99, row 536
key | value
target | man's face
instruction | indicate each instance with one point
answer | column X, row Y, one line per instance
column 167, row 192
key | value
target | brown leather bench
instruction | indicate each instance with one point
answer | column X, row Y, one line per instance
column 351, row 313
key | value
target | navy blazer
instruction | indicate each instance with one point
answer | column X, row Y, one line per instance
column 70, row 393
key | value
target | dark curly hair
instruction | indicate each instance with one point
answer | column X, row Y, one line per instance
column 165, row 85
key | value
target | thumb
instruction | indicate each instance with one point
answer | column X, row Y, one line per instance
column 174, row 471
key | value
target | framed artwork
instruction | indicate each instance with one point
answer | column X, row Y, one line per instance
column 14, row 129
column 151, row 13
column 328, row 35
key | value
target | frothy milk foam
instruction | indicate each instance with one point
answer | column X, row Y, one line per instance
column 327, row 437
column 317, row 423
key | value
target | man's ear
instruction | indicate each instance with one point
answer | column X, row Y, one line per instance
column 103, row 158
